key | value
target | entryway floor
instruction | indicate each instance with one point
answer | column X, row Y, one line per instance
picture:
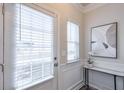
column 85, row 88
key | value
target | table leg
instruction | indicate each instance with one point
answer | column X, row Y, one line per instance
column 87, row 78
column 123, row 83
column 84, row 76
column 115, row 87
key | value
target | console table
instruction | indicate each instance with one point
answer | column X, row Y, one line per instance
column 104, row 70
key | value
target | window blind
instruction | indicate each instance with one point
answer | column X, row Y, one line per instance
column 34, row 33
column 73, row 41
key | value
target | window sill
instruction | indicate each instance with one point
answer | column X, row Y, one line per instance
column 73, row 61
column 35, row 83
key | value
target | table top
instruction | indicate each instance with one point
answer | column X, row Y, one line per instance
column 109, row 71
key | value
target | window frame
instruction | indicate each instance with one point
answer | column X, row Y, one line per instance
column 8, row 59
column 77, row 59
column 37, row 8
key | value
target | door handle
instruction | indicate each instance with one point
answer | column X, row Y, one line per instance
column 55, row 64
column 2, row 65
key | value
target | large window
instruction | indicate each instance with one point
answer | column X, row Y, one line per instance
column 34, row 31
column 72, row 41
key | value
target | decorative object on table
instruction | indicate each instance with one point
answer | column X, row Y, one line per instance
column 90, row 61
column 104, row 40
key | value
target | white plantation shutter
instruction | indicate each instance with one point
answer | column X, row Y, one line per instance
column 73, row 41
column 34, row 32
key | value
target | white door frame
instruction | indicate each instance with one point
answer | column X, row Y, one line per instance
column 1, row 47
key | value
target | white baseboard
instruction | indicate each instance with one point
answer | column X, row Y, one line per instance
column 76, row 86
column 96, row 87
column 79, row 84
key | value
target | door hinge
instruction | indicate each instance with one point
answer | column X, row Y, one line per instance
column 2, row 65
column 3, row 9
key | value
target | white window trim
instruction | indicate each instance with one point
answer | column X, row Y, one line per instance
column 35, row 83
column 73, row 61
column 78, row 59
column 41, row 9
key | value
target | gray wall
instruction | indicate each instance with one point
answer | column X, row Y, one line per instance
column 102, row 15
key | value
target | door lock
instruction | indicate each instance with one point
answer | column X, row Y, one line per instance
column 55, row 58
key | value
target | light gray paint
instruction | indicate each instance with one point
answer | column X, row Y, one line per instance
column 102, row 15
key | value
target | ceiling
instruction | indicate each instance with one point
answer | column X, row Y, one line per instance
column 85, row 7
column 84, row 4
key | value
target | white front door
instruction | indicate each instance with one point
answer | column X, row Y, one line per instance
column 29, row 47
